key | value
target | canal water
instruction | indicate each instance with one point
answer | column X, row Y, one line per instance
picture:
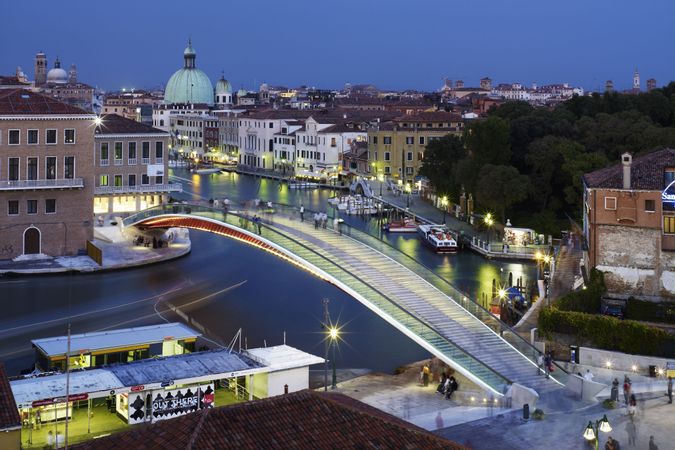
column 224, row 285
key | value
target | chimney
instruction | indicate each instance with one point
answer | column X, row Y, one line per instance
column 626, row 160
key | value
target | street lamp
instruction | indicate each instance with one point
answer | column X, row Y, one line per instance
column 333, row 334
column 592, row 432
column 444, row 204
column 489, row 221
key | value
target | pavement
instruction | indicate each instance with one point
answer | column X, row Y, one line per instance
column 117, row 247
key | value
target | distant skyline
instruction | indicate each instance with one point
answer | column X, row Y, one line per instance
column 394, row 45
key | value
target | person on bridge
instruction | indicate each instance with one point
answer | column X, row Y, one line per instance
column 540, row 364
column 302, row 212
column 670, row 389
column 425, row 375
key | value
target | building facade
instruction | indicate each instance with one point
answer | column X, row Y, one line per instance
column 396, row 148
column 629, row 225
column 46, row 175
column 131, row 172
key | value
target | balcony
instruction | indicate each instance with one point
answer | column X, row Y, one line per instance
column 139, row 189
column 28, row 185
column 118, row 162
column 145, row 161
column 159, row 160
column 132, row 161
column 105, row 162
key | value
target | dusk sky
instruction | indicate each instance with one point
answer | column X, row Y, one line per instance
column 394, row 44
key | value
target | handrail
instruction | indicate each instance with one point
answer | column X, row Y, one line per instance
column 502, row 327
column 190, row 209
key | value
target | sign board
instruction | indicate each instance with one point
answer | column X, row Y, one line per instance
column 155, row 170
column 51, row 401
column 162, row 404
column 138, row 388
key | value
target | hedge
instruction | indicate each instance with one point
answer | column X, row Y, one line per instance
column 649, row 311
column 586, row 300
column 607, row 332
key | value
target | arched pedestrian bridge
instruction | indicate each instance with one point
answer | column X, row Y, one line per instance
column 399, row 289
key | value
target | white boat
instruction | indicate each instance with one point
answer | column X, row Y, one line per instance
column 302, row 185
column 206, row 171
column 438, row 237
column 407, row 225
column 354, row 204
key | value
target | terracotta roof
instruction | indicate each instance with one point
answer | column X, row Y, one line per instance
column 646, row 172
column 23, row 102
column 12, row 81
column 302, row 420
column 9, row 414
column 436, row 116
column 114, row 124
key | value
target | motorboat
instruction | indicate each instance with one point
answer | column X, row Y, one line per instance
column 354, row 205
column 407, row 225
column 438, row 237
column 295, row 184
column 206, row 170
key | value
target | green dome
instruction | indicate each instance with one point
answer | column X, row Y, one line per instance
column 223, row 87
column 189, row 84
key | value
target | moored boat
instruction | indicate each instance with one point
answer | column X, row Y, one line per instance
column 438, row 237
column 407, row 225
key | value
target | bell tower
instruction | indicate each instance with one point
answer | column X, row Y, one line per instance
column 40, row 69
column 636, row 80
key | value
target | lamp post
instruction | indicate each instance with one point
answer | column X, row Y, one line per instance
column 592, row 431
column 333, row 335
column 444, row 204
column 407, row 191
column 489, row 221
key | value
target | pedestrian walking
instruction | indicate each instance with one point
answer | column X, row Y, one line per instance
column 425, row 375
column 540, row 364
column 626, row 388
column 652, row 444
column 588, row 375
column 670, row 389
column 612, row 444
column 302, row 212
column 316, row 221
column 615, row 390
column 547, row 362
column 631, row 431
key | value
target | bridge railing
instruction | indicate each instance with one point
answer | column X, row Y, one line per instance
column 415, row 324
column 461, row 298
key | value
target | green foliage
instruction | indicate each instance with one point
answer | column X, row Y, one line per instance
column 586, row 300
column 553, row 148
column 606, row 332
column 608, row 403
column 649, row 311
column 499, row 187
column 538, row 414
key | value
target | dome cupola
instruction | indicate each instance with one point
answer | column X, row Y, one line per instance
column 189, row 85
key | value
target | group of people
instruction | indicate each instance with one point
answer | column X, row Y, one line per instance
column 320, row 220
column 447, row 386
column 545, row 363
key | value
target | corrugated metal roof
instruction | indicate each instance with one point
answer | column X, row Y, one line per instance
column 283, row 357
column 125, row 337
column 191, row 365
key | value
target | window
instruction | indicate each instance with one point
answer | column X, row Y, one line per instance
column 50, row 168
column 103, row 180
column 145, row 179
column 387, row 140
column 13, row 169
column 14, row 137
column 132, row 179
column 104, row 154
column 118, row 180
column 50, row 206
column 669, row 224
column 409, row 156
column 69, row 167
column 333, row 142
column 408, row 170
column 31, row 206
column 69, row 136
column 159, row 152
column 610, row 203
column 387, row 156
column 387, row 170
column 421, row 140
column 409, row 140
column 50, row 138
column 159, row 180
column 118, row 153
column 145, row 152
column 13, row 207
column 374, row 139
column 33, row 137
column 650, row 205
column 32, row 173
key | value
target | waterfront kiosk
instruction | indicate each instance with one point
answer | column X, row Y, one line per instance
column 114, row 346
column 106, row 399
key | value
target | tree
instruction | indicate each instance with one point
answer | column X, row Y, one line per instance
column 440, row 160
column 545, row 159
column 501, row 186
column 489, row 141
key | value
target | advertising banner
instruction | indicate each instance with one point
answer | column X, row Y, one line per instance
column 155, row 170
column 162, row 404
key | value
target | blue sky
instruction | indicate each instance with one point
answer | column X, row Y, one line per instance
column 394, row 44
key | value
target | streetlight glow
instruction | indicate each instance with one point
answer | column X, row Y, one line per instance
column 333, row 333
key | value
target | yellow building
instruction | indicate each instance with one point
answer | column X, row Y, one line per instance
column 396, row 147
